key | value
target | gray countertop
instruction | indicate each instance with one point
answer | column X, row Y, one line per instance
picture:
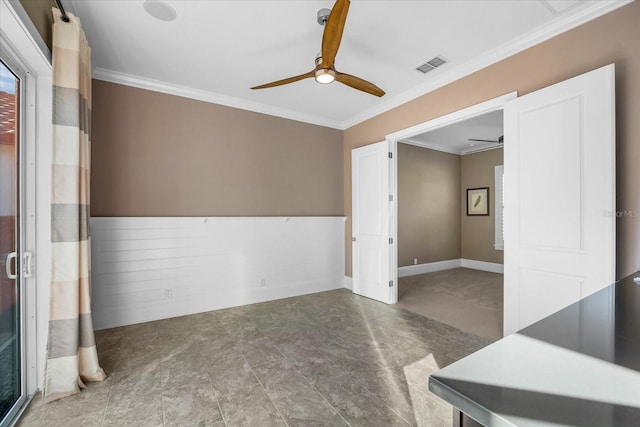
column 579, row 367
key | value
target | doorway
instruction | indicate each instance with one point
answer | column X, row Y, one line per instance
column 559, row 193
column 450, row 261
column 25, row 193
column 12, row 384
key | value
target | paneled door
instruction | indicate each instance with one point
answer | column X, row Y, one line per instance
column 559, row 196
column 371, row 209
column 11, row 345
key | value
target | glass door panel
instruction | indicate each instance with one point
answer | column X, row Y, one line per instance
column 11, row 373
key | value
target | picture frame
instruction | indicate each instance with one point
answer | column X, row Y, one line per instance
column 478, row 201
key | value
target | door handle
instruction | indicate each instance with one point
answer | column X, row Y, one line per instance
column 28, row 256
column 7, row 265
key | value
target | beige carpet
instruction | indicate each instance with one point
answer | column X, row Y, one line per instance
column 470, row 300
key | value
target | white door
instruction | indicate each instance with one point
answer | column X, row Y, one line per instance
column 559, row 193
column 371, row 246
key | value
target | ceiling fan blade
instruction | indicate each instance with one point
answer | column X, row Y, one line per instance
column 358, row 83
column 286, row 81
column 333, row 32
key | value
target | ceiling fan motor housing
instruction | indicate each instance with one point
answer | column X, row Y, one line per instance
column 323, row 16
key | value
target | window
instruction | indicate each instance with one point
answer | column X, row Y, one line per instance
column 499, row 199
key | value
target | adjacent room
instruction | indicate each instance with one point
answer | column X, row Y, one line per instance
column 301, row 213
column 450, row 257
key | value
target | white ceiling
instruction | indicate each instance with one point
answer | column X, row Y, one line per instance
column 454, row 138
column 217, row 50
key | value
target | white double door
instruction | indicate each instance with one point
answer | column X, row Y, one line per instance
column 559, row 192
column 559, row 197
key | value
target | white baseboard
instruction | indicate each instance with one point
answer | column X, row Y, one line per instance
column 203, row 300
column 348, row 282
column 482, row 265
column 412, row 270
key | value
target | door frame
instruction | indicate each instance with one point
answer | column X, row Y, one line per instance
column 488, row 106
column 20, row 42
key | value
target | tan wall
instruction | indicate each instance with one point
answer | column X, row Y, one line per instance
column 160, row 155
column 478, row 232
column 428, row 205
column 613, row 38
column 39, row 12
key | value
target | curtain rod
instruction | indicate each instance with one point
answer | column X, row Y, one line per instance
column 64, row 16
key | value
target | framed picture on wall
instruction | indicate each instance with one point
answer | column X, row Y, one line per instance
column 478, row 201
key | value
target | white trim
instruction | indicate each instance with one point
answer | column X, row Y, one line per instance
column 511, row 48
column 15, row 37
column 413, row 270
column 393, row 219
column 481, row 148
column 348, row 282
column 488, row 106
column 498, row 208
column 394, row 138
column 21, row 15
column 214, row 98
column 552, row 29
column 451, row 150
column 431, row 146
column 483, row 265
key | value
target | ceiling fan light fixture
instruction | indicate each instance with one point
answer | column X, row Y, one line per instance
column 325, row 76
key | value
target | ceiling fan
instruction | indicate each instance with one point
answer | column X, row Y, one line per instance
column 325, row 71
column 500, row 140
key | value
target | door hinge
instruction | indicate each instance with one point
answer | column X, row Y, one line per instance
column 353, row 239
column 391, row 283
column 390, row 155
column 391, row 197
column 391, row 240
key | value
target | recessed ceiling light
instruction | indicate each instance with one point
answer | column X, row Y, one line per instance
column 159, row 10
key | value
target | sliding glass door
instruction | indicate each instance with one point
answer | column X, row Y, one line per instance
column 11, row 343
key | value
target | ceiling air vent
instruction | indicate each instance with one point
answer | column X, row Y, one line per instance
column 431, row 64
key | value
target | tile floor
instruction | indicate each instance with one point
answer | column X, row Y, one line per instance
column 327, row 359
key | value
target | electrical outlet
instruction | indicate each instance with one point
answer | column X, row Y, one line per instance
column 168, row 293
column 415, row 261
column 263, row 282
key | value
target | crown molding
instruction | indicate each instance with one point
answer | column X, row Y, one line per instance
column 450, row 150
column 481, row 148
column 554, row 28
column 431, row 146
column 201, row 95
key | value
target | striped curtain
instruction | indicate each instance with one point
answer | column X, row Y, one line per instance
column 71, row 352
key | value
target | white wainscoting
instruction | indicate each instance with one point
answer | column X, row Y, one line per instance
column 147, row 269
